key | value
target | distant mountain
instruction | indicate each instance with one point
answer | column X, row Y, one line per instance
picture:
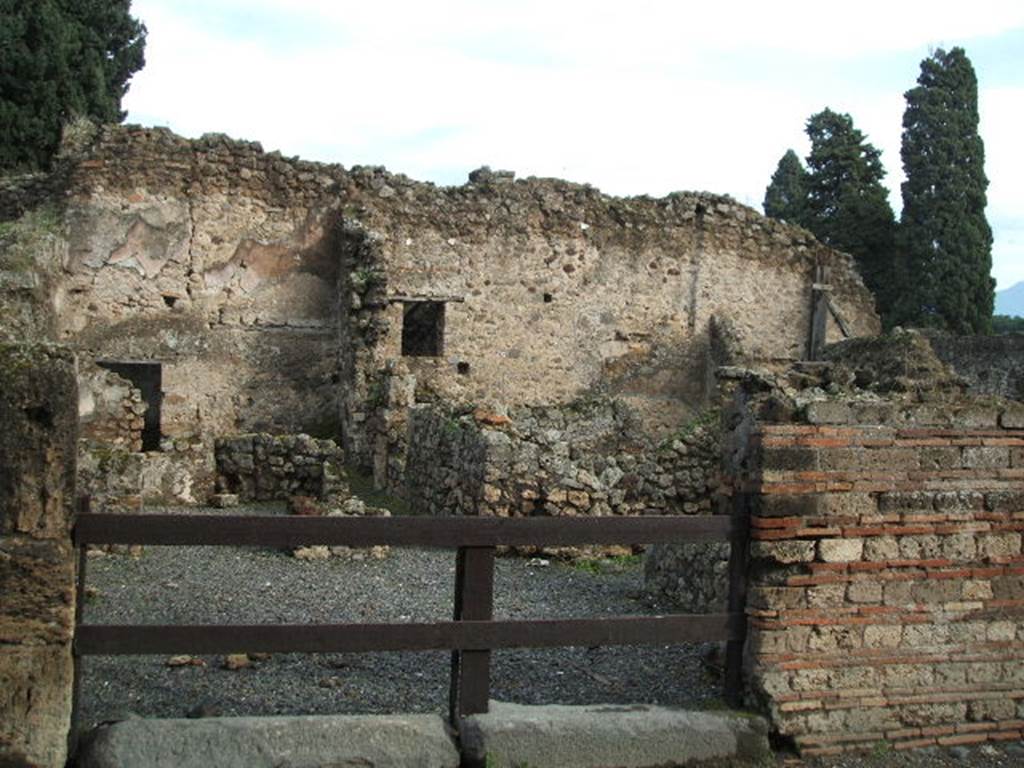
column 1011, row 301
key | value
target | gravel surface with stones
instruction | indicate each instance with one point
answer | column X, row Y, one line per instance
column 224, row 585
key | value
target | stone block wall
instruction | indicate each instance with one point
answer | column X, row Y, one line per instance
column 38, row 411
column 886, row 595
column 260, row 467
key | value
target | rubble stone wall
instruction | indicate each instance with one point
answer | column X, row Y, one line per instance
column 583, row 459
column 110, row 410
column 38, row 411
column 274, row 292
column 553, row 292
column 992, row 365
column 261, row 467
column 887, row 577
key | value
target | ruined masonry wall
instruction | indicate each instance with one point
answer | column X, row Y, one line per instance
column 582, row 459
column 217, row 261
column 38, row 400
column 110, row 410
column 992, row 365
column 555, row 292
column 264, row 467
column 272, row 291
column 886, row 599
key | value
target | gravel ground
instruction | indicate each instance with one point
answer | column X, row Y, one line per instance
column 220, row 585
column 167, row 585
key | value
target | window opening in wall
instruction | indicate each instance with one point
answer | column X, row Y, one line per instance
column 463, row 368
column 423, row 328
column 148, row 378
column 548, row 298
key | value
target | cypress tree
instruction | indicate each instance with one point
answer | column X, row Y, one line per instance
column 60, row 59
column 848, row 207
column 944, row 232
column 785, row 198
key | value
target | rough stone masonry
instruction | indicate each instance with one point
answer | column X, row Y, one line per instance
column 38, row 398
column 886, row 599
column 269, row 294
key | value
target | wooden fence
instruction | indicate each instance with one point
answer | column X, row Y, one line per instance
column 472, row 633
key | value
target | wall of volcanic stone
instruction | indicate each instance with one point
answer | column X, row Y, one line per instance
column 275, row 293
column 886, row 601
column 37, row 582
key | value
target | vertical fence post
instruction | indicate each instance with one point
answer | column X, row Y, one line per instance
column 739, row 550
column 474, row 601
column 82, row 507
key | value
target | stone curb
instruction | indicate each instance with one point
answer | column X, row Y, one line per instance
column 509, row 736
column 380, row 741
column 601, row 736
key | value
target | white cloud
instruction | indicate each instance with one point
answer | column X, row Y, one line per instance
column 644, row 98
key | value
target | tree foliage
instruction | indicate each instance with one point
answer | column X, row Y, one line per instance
column 1007, row 324
column 944, row 232
column 847, row 206
column 786, row 196
column 60, row 59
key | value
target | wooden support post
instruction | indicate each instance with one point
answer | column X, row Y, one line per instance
column 82, row 507
column 819, row 313
column 739, row 560
column 474, row 601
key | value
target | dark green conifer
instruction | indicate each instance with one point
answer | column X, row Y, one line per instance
column 944, row 233
column 60, row 59
column 848, row 207
column 786, row 196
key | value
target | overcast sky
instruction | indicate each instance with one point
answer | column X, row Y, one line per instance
column 641, row 97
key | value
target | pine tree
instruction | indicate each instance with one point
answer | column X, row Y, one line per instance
column 944, row 232
column 60, row 59
column 786, row 196
column 848, row 207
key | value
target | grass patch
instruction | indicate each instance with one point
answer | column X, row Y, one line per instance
column 361, row 485
column 600, row 565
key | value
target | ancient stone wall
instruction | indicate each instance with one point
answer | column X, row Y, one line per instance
column 886, row 569
column 586, row 458
column 38, row 411
column 547, row 291
column 260, row 467
column 284, row 296
column 992, row 365
column 215, row 261
column 32, row 251
column 110, row 410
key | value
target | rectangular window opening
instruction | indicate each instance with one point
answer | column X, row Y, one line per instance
column 147, row 377
column 423, row 328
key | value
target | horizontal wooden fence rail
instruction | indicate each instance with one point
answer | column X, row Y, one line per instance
column 470, row 636
column 446, row 532
column 466, row 635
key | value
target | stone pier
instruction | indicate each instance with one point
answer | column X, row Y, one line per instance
column 38, row 433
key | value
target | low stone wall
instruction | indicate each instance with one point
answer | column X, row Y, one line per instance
column 110, row 410
column 38, row 412
column 121, row 480
column 446, row 462
column 261, row 467
column 886, row 579
column 581, row 459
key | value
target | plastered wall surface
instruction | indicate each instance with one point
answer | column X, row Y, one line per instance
column 272, row 291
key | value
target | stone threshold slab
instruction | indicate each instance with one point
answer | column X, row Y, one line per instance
column 610, row 736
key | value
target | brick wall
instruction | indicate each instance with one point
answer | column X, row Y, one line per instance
column 887, row 580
